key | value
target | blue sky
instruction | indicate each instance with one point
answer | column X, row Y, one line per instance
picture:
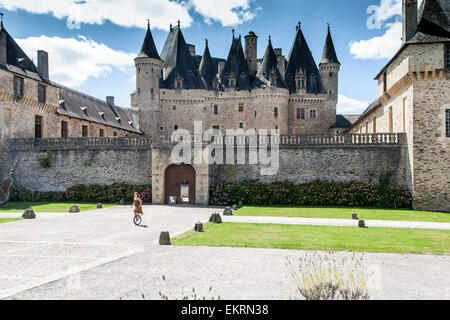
column 92, row 43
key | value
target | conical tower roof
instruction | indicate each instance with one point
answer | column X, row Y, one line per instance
column 148, row 49
column 269, row 65
column 329, row 53
column 434, row 18
column 206, row 69
column 179, row 62
column 301, row 59
column 237, row 65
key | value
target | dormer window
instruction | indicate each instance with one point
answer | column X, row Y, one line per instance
column 178, row 82
column 300, row 79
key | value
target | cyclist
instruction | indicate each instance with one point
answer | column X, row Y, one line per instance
column 137, row 205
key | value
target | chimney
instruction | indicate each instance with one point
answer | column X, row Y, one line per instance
column 251, row 49
column 409, row 10
column 43, row 63
column 110, row 101
column 2, row 46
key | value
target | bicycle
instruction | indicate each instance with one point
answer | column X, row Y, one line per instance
column 137, row 220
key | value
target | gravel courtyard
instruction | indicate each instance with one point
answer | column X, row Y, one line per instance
column 101, row 255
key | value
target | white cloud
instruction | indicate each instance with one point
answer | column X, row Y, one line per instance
column 130, row 13
column 351, row 106
column 73, row 61
column 382, row 47
column 133, row 13
column 228, row 13
column 382, row 13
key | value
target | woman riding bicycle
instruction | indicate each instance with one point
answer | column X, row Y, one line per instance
column 137, row 205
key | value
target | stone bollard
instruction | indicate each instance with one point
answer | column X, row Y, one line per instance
column 362, row 224
column 74, row 209
column 122, row 201
column 215, row 218
column 240, row 204
column 198, row 227
column 164, row 239
column 355, row 216
column 29, row 214
column 227, row 212
column 99, row 206
column 234, row 207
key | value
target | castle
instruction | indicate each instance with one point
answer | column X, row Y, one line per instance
column 176, row 88
column 406, row 130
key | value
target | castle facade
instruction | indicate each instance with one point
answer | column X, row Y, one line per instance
column 177, row 87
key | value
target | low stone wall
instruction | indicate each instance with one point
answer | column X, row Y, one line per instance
column 72, row 167
column 328, row 163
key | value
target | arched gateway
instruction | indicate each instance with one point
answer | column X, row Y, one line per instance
column 179, row 181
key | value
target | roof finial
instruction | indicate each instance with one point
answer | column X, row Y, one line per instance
column 171, row 27
column 299, row 25
column 328, row 27
column 270, row 38
column 233, row 33
column 206, row 42
column 148, row 23
column 178, row 23
column 1, row 17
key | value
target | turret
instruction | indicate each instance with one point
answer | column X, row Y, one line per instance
column 251, row 51
column 329, row 68
column 148, row 74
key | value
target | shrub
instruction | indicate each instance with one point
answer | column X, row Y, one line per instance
column 324, row 276
column 317, row 193
column 81, row 193
column 46, row 162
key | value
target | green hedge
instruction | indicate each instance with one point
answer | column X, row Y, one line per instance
column 81, row 193
column 318, row 193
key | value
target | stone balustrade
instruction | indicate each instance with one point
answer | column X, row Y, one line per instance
column 146, row 142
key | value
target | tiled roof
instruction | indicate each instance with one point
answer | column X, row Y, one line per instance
column 236, row 65
column 301, row 59
column 329, row 53
column 268, row 65
column 82, row 106
column 179, row 62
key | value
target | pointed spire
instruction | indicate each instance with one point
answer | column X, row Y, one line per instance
column 178, row 62
column 236, row 66
column 206, row 69
column 329, row 53
column 300, row 58
column 269, row 66
column 148, row 49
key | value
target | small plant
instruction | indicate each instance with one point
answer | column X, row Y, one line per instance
column 384, row 181
column 90, row 161
column 46, row 162
column 184, row 296
column 324, row 276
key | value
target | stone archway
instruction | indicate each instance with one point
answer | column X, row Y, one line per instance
column 180, row 182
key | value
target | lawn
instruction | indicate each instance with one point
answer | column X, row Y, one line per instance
column 319, row 238
column 5, row 220
column 345, row 213
column 52, row 207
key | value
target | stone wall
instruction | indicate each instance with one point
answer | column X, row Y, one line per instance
column 72, row 167
column 329, row 163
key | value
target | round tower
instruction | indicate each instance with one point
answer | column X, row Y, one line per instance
column 148, row 73
column 329, row 68
column 251, row 51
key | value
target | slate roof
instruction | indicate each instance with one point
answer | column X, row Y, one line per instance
column 17, row 61
column 237, row 65
column 433, row 26
column 207, row 69
column 148, row 49
column 179, row 62
column 329, row 53
column 73, row 102
column 345, row 120
column 268, row 65
column 300, row 58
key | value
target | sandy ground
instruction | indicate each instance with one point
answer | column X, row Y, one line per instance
column 101, row 255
